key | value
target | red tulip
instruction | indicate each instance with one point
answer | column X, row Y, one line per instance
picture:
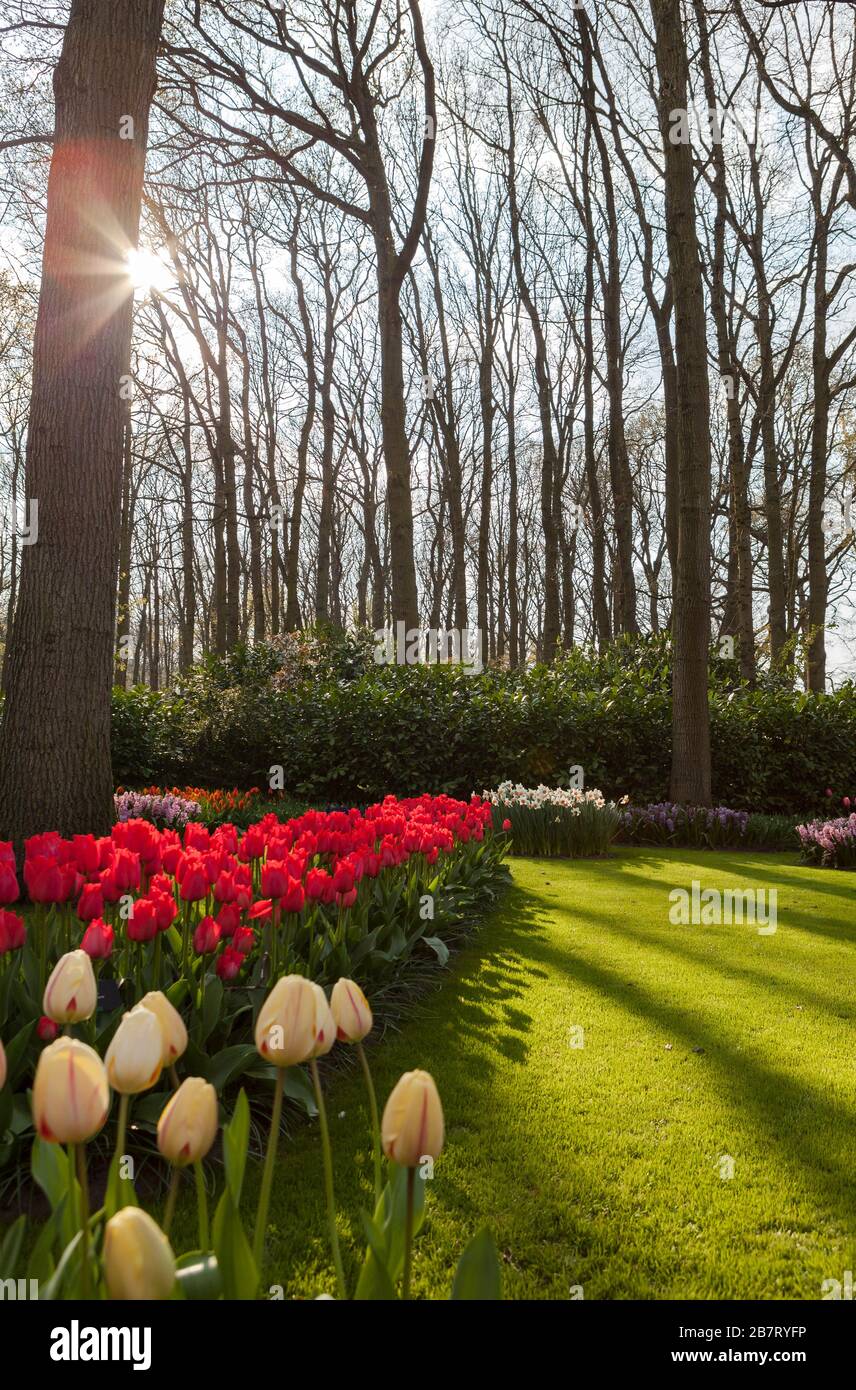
column 506, row 824
column 229, row 963
column 87, row 855
column 46, row 1029
column 44, row 880
column 9, row 890
column 206, row 938
column 91, row 902
column 13, row 933
column 244, row 940
column 252, row 845
column 294, row 896
column 261, row 911
column 98, row 940
column 347, row 899
column 126, row 870
column 274, row 879
column 196, row 836
column 319, row 885
column 166, row 909
column 193, row 877
column 143, row 921
column 109, row 887
column 229, row 918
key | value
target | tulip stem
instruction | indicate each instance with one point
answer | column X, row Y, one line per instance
column 169, row 1210
column 328, row 1179
column 202, row 1204
column 122, row 1129
column 408, row 1234
column 267, row 1175
column 80, row 1152
column 378, row 1182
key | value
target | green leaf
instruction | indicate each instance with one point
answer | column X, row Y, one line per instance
column 49, row 1167
column 439, row 948
column 236, row 1136
column 478, row 1275
column 54, row 1286
column 10, row 1249
column 240, row 1277
column 198, row 1277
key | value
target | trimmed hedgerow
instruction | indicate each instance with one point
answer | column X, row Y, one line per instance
column 352, row 734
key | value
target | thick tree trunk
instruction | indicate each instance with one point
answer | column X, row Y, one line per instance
column 55, row 770
column 691, row 620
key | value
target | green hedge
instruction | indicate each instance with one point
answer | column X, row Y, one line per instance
column 414, row 729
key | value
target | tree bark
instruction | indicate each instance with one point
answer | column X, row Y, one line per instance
column 55, row 770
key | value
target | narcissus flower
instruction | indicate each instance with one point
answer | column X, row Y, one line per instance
column 173, row 1031
column 71, row 992
column 412, row 1127
column 135, row 1055
column 71, row 1094
column 350, row 1009
column 188, row 1124
column 138, row 1258
column 294, row 1023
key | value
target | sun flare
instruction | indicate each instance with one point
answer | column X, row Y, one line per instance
column 147, row 270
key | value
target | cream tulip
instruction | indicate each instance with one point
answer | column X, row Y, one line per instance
column 172, row 1025
column 138, row 1259
column 188, row 1124
column 295, row 1023
column 71, row 1094
column 71, row 992
column 134, row 1057
column 350, row 1009
column 412, row 1127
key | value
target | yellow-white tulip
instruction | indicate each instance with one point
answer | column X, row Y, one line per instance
column 134, row 1057
column 138, row 1258
column 294, row 1023
column 188, row 1123
column 350, row 1009
column 172, row 1025
column 412, row 1127
column 71, row 992
column 71, row 1095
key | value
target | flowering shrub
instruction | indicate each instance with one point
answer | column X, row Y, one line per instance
column 554, row 822
column 119, row 1251
column 830, row 843
column 214, row 918
column 161, row 808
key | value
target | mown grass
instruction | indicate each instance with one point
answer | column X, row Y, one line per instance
column 599, row 1166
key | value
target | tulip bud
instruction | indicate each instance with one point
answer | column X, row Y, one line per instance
column 188, row 1124
column 350, row 1008
column 135, row 1055
column 412, row 1127
column 71, row 1094
column 138, row 1258
column 294, row 1023
column 2, row 1067
column 71, row 992
column 173, row 1031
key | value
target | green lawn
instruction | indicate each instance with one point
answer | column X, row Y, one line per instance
column 600, row 1165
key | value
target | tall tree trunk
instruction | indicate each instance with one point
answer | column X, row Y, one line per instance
column 55, row 770
column 691, row 620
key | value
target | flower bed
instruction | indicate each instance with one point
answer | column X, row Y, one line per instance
column 554, row 822
column 830, row 843
column 213, row 919
column 704, row 827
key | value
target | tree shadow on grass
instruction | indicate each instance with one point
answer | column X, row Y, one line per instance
column 790, row 1112
column 840, row 931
